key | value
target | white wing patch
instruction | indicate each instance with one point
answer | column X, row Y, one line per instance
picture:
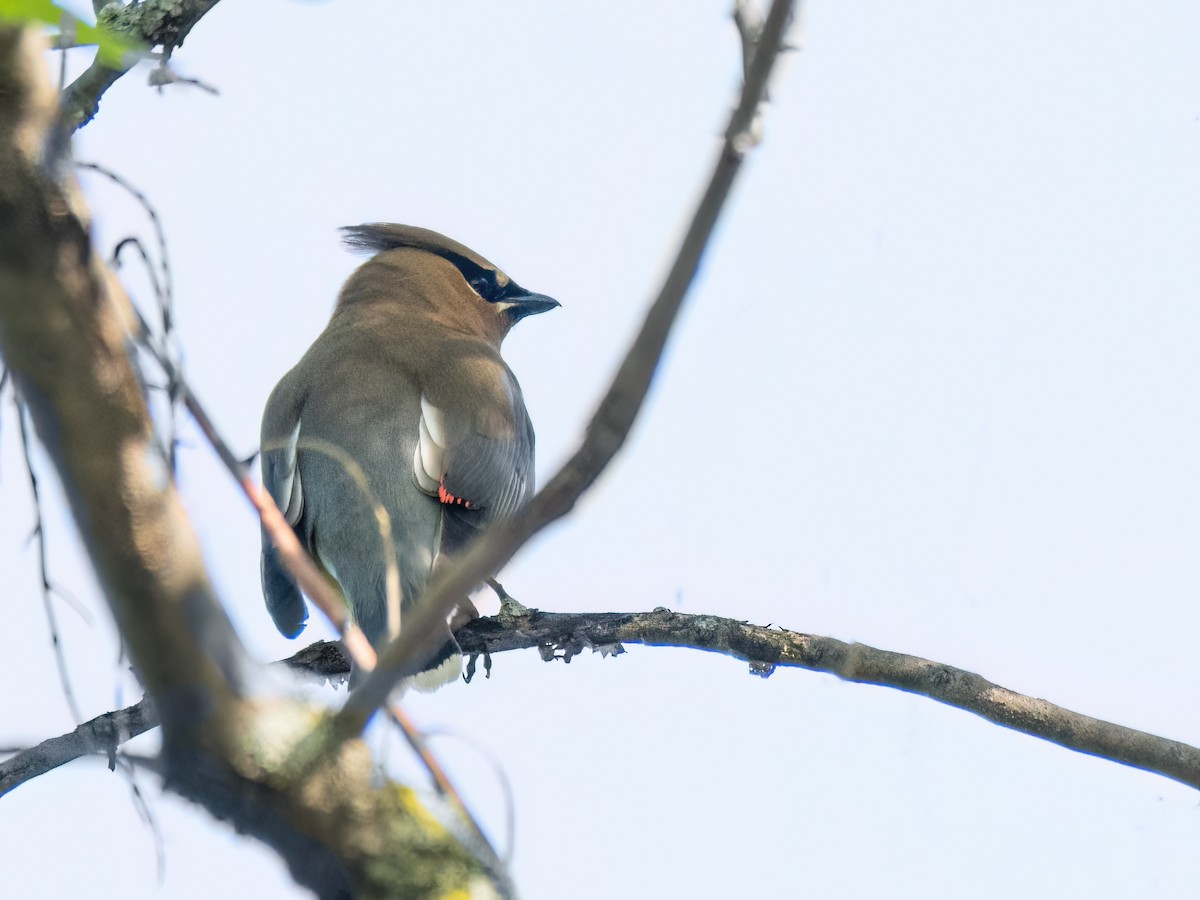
column 290, row 489
column 427, row 462
column 431, row 448
column 435, row 421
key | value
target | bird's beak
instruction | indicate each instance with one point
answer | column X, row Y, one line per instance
column 523, row 305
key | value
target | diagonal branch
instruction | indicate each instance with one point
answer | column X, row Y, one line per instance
column 65, row 335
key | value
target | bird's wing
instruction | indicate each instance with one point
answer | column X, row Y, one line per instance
column 281, row 478
column 477, row 461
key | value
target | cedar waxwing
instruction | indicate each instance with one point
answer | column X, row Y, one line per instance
column 402, row 403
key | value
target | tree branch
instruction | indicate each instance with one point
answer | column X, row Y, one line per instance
column 103, row 734
column 564, row 635
column 765, row 648
column 153, row 23
column 65, row 332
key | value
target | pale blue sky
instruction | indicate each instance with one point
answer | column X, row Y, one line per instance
column 935, row 391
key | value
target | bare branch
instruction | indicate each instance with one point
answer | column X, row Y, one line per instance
column 154, row 23
column 101, row 735
column 749, row 21
column 764, row 648
column 564, row 635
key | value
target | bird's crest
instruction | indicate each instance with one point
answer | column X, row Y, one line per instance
column 379, row 236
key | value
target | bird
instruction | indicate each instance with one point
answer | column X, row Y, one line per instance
column 402, row 404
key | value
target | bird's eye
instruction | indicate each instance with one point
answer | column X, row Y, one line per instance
column 482, row 286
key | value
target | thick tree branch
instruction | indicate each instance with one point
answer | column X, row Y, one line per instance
column 64, row 336
column 564, row 635
column 65, row 331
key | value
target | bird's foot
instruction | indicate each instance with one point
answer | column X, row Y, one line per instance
column 464, row 612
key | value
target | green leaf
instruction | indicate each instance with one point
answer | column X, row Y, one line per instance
column 114, row 50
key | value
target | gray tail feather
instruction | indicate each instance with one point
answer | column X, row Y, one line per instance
column 285, row 603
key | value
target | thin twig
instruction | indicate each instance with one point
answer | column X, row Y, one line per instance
column 163, row 74
column 749, row 21
column 506, row 788
column 142, row 805
column 161, row 283
column 39, row 534
column 164, row 289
